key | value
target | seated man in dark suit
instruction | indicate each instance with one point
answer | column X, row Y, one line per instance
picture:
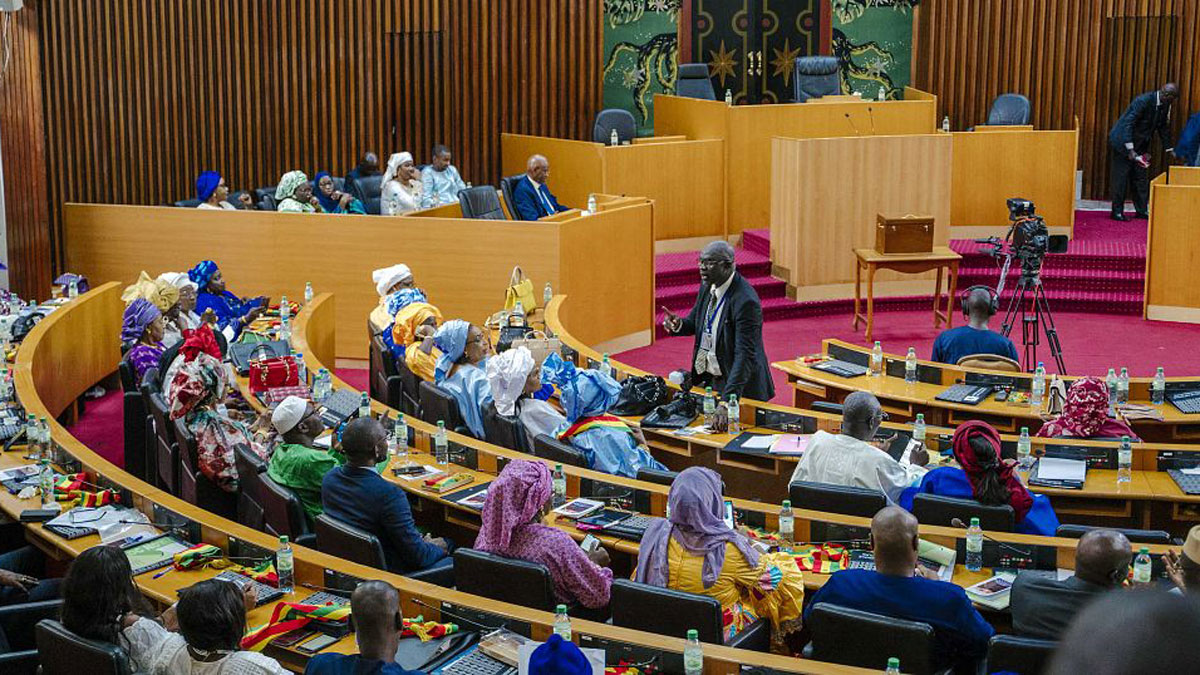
column 1043, row 607
column 531, row 197
column 357, row 495
column 899, row 588
column 975, row 337
column 367, row 166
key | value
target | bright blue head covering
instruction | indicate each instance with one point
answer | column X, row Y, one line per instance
column 403, row 298
column 206, row 184
column 583, row 393
column 451, row 339
column 556, row 656
column 326, row 201
column 202, row 273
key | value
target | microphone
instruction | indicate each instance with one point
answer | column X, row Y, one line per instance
column 871, row 114
column 460, row 617
column 340, row 592
column 853, row 125
column 957, row 522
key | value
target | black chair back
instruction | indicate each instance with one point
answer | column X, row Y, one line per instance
column 438, row 404
column 816, row 76
column 657, row 476
column 264, row 198
column 1021, row 655
column 369, row 189
column 194, row 486
column 843, row 499
column 516, row 581
column 694, row 82
column 481, row 202
column 1134, row 536
column 250, row 468
column 503, row 431
column 148, row 388
column 410, row 387
column 939, row 510
column 166, row 454
column 346, row 541
column 62, row 652
column 507, row 185
column 674, row 612
column 186, row 203
column 557, row 451
column 855, row 638
column 134, row 416
column 283, row 514
column 1009, row 109
column 614, row 119
column 385, row 382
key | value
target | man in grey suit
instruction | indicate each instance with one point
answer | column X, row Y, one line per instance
column 1043, row 607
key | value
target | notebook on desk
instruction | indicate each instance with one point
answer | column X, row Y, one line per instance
column 1055, row 472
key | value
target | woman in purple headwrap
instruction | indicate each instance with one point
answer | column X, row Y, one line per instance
column 142, row 332
column 512, row 527
column 695, row 551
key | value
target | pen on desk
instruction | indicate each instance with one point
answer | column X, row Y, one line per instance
column 162, row 573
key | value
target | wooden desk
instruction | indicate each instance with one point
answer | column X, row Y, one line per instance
column 1173, row 247
column 941, row 258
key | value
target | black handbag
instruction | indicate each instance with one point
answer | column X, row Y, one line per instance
column 677, row 414
column 639, row 395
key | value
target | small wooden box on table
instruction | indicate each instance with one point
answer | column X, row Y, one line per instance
column 941, row 258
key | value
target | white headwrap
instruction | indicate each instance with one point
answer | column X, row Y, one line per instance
column 288, row 184
column 506, row 374
column 387, row 277
column 393, row 165
column 288, row 414
column 178, row 280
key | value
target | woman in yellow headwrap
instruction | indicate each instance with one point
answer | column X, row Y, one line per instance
column 415, row 323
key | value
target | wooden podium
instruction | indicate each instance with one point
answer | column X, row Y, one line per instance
column 1173, row 247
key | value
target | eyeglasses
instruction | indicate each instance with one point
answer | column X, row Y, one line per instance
column 706, row 264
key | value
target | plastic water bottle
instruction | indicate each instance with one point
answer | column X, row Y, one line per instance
column 1110, row 381
column 285, row 329
column 1125, row 461
column 301, row 369
column 877, row 360
column 5, row 385
column 31, row 438
column 398, row 447
column 591, row 202
column 547, row 295
column 882, row 95
column 1024, row 450
column 73, row 288
column 1142, row 571
column 710, row 407
column 364, row 405
column 918, row 432
column 606, row 365
column 893, row 667
column 728, row 97
column 614, row 138
column 1123, row 386
column 285, row 565
column 787, row 522
column 693, row 654
column 559, row 485
column 321, row 385
column 46, row 482
column 441, row 446
column 946, row 124
column 974, row 546
column 562, row 623
column 308, row 292
column 735, row 415
column 1039, row 386
column 910, row 366
column 1158, row 388
column 48, row 449
column 518, row 313
column 285, row 310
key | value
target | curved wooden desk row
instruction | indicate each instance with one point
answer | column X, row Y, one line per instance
column 906, row 400
column 77, row 346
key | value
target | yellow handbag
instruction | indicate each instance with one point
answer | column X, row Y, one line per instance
column 519, row 288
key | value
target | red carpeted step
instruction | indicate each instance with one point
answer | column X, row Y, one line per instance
column 679, row 269
column 675, row 297
column 757, row 241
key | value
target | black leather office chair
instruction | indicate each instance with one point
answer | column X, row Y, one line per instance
column 481, row 202
column 855, row 638
column 437, row 404
column 134, row 416
column 843, row 499
column 827, row 406
column 557, row 451
column 62, row 652
column 657, row 476
column 693, row 81
column 1021, row 655
column 614, row 119
column 503, row 431
column 507, row 185
column 346, row 541
column 385, row 383
column 194, row 486
column 518, row 582
column 283, row 514
column 939, row 510
column 186, row 203
column 166, row 455
column 250, row 468
column 18, row 622
column 676, row 612
column 1134, row 536
column 264, row 198
column 148, row 389
column 816, row 76
column 410, row 389
column 370, row 189
column 1009, row 109
column 233, row 198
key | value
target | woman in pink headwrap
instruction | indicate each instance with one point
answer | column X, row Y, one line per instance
column 512, row 527
column 1085, row 414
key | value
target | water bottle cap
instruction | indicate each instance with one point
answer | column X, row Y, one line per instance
column 974, row 522
column 787, row 503
column 693, row 634
column 558, row 467
column 561, row 609
column 441, row 424
column 1024, row 431
column 1144, row 550
column 894, row 663
column 920, row 417
column 1124, row 439
column 878, row 343
column 283, row 539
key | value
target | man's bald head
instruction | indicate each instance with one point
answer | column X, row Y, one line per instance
column 538, row 168
column 375, row 606
column 717, row 250
column 978, row 305
column 1169, row 91
column 1102, row 557
column 861, row 415
column 894, row 539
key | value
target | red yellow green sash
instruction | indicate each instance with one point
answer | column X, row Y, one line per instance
column 207, row 555
column 598, row 422
column 68, row 489
column 287, row 617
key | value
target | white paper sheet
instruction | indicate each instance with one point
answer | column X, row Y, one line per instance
column 1054, row 468
column 759, row 442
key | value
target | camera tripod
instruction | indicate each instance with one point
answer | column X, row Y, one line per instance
column 1030, row 300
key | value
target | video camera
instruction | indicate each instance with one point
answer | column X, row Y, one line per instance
column 1028, row 236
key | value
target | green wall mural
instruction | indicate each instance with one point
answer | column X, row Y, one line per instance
column 641, row 47
column 873, row 41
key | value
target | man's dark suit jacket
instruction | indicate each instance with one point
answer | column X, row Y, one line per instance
column 364, row 499
column 1043, row 607
column 527, row 202
column 1138, row 124
column 739, row 349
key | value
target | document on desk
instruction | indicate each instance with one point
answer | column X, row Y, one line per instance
column 790, row 445
column 763, row 442
column 1194, row 471
column 1054, row 468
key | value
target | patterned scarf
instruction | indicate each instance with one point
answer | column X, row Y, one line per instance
column 513, row 499
column 138, row 315
column 202, row 273
column 1084, row 412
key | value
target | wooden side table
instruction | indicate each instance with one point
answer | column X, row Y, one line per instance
column 940, row 259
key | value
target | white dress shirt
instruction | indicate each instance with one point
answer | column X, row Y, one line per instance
column 845, row 460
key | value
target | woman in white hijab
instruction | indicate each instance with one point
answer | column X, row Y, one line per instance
column 186, row 318
column 514, row 377
column 388, row 281
column 401, row 186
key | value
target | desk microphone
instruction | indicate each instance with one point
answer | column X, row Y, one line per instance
column 957, row 522
column 853, row 125
column 871, row 114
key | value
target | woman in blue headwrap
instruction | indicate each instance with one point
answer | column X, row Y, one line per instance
column 232, row 312
column 211, row 191
column 142, row 332
column 333, row 201
column 459, row 371
column 609, row 444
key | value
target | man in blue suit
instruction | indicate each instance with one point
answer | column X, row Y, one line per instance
column 531, row 197
column 357, row 495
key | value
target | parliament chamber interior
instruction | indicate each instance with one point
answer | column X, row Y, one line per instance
column 619, row 386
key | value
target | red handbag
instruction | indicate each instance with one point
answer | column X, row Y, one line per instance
column 273, row 372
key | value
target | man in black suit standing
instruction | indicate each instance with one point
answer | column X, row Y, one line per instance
column 1129, row 145
column 727, row 322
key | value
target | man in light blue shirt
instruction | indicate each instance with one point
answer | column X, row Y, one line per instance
column 440, row 180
